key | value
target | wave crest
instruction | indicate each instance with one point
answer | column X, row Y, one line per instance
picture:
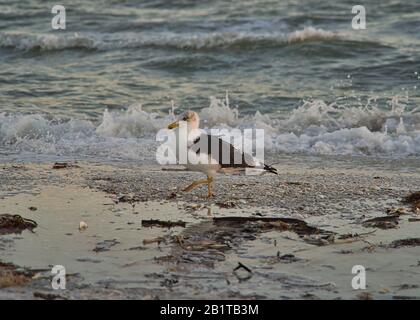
column 315, row 127
column 311, row 34
column 193, row 41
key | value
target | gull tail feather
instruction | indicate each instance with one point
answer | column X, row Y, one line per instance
column 270, row 169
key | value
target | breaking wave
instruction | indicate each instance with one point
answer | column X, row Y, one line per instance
column 193, row 41
column 315, row 127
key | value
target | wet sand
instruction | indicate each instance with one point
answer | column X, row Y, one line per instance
column 120, row 256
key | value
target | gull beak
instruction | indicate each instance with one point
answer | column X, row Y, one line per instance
column 173, row 125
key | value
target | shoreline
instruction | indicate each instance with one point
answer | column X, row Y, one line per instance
column 119, row 256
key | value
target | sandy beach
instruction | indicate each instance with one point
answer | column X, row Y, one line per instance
column 296, row 235
column 96, row 95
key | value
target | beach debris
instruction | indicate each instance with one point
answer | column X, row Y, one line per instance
column 285, row 258
column 33, row 208
column 413, row 219
column 296, row 183
column 64, row 165
column 408, row 242
column 206, row 243
column 15, row 223
column 288, row 257
column 82, row 225
column 105, row 245
column 139, row 248
column 199, row 245
column 17, row 166
column 406, row 286
column 241, row 265
column 269, row 223
column 396, row 211
column 240, row 275
column 365, row 296
column 164, row 224
column 174, row 169
column 226, row 205
column 384, row 290
column 309, row 296
column 125, row 198
column 48, row 296
column 370, row 247
column 172, row 195
column 11, row 276
column 157, row 240
column 343, row 251
column 162, row 259
column 385, row 222
column 205, row 257
column 319, row 240
column 351, row 237
column 192, row 207
column 398, row 297
column 169, row 281
column 87, row 259
column 414, row 200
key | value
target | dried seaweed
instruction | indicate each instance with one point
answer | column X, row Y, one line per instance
column 409, row 242
column 385, row 222
column 105, row 245
column 15, row 224
column 157, row 240
column 298, row 226
column 10, row 276
column 64, row 165
column 164, row 224
column 414, row 200
column 48, row 296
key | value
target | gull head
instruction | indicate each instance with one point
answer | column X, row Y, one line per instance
column 190, row 117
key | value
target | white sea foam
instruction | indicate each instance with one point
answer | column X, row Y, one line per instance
column 133, row 123
column 102, row 41
column 315, row 127
column 311, row 33
column 49, row 42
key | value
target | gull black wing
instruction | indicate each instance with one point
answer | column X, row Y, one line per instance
column 225, row 153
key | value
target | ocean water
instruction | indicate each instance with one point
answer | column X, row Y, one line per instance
column 103, row 87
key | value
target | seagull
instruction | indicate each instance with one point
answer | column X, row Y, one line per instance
column 200, row 157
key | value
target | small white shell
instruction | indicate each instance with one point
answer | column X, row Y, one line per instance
column 82, row 225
